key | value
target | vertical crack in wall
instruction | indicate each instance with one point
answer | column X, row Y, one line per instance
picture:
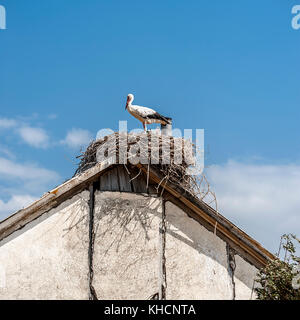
column 92, row 291
column 231, row 267
column 162, row 257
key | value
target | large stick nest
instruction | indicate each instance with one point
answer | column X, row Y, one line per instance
column 170, row 156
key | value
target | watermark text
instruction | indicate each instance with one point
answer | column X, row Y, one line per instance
column 2, row 18
column 153, row 147
column 296, row 18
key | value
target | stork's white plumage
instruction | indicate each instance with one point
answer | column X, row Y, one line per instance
column 145, row 115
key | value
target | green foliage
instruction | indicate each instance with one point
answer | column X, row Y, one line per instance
column 280, row 279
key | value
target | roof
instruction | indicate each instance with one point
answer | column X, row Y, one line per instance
column 246, row 246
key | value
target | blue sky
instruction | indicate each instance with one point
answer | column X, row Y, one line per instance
column 230, row 67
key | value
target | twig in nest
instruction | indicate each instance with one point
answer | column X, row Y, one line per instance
column 136, row 176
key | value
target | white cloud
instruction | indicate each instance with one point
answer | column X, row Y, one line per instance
column 26, row 172
column 77, row 138
column 22, row 183
column 7, row 123
column 15, row 203
column 35, row 137
column 264, row 200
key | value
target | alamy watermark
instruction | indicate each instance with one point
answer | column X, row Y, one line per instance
column 2, row 17
column 185, row 147
column 296, row 18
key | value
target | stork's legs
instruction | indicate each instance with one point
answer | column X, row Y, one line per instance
column 145, row 126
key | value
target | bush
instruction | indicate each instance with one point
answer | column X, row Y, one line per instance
column 280, row 279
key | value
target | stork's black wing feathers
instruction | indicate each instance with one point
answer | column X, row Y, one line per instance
column 158, row 116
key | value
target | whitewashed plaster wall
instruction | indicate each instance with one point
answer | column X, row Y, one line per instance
column 49, row 257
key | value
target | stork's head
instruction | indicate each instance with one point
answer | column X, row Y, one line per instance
column 130, row 98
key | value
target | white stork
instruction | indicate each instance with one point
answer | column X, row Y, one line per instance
column 145, row 115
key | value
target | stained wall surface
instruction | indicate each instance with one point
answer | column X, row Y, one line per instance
column 49, row 257
column 126, row 248
column 196, row 259
column 244, row 276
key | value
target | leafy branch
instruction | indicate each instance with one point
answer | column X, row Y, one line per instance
column 280, row 279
